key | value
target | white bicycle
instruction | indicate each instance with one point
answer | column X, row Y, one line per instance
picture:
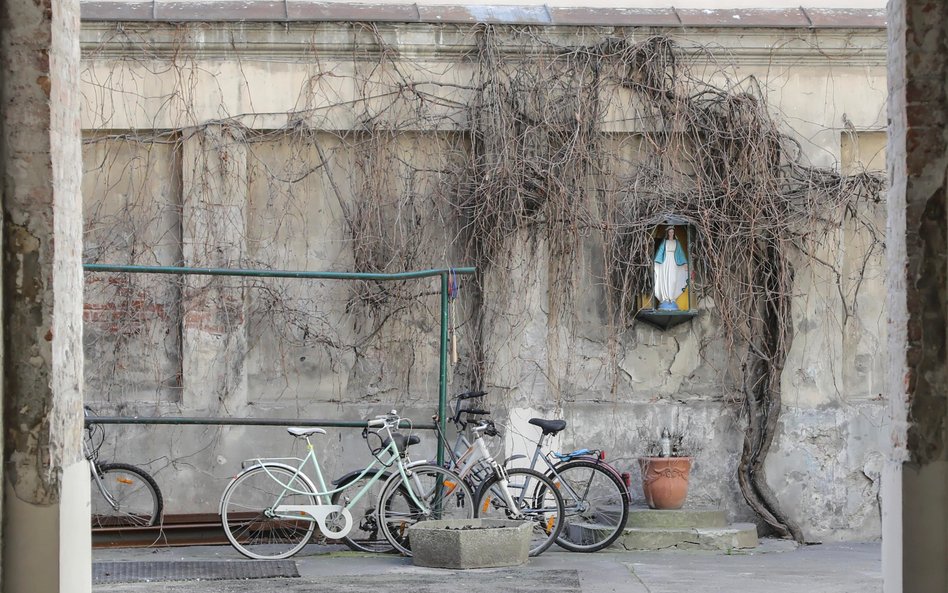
column 272, row 509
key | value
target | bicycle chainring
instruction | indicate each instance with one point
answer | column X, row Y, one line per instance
column 336, row 524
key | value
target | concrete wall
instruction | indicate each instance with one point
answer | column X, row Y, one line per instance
column 190, row 159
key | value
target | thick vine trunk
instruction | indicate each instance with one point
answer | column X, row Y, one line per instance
column 767, row 352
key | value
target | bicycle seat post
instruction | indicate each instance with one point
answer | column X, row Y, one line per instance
column 541, row 440
column 540, row 443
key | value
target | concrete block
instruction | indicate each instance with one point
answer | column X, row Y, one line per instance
column 470, row 543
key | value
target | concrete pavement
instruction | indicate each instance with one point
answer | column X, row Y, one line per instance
column 774, row 567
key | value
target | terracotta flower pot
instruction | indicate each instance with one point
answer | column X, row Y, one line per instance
column 665, row 481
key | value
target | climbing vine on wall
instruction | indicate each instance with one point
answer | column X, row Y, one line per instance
column 568, row 144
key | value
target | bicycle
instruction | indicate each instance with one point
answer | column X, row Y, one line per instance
column 271, row 509
column 127, row 495
column 596, row 497
column 518, row 493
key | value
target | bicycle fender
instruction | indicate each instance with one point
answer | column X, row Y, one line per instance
column 304, row 477
column 351, row 476
column 512, row 458
column 595, row 460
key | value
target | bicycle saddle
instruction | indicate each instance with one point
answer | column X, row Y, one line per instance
column 304, row 432
column 401, row 441
column 549, row 426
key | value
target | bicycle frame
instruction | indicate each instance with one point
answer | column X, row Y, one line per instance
column 476, row 452
column 585, row 455
column 97, row 480
column 91, row 455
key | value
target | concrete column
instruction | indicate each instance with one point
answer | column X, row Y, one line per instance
column 214, row 199
column 46, row 536
column 915, row 483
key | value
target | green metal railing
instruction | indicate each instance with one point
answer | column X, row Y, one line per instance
column 444, row 274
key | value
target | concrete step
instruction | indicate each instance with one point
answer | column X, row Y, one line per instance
column 676, row 519
column 737, row 535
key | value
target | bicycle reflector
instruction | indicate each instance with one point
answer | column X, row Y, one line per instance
column 627, row 479
column 602, row 456
column 124, row 481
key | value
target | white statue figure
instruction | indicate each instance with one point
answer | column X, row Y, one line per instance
column 671, row 272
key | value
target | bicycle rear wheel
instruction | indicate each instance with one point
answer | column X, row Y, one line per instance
column 366, row 535
column 247, row 512
column 537, row 501
column 124, row 496
column 596, row 505
column 442, row 492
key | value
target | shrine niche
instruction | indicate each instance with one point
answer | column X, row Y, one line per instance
column 670, row 301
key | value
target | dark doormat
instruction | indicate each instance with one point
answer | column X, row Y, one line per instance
column 145, row 572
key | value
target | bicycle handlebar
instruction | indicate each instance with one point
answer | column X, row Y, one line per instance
column 470, row 394
column 457, row 406
column 385, row 420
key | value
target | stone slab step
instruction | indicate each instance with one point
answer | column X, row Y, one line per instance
column 676, row 519
column 737, row 535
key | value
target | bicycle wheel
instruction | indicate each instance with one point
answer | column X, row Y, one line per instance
column 366, row 536
column 247, row 512
column 442, row 492
column 537, row 500
column 124, row 496
column 596, row 505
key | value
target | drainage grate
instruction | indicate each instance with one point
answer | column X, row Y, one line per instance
column 143, row 572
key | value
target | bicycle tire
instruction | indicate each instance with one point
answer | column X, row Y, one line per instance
column 138, row 500
column 439, row 489
column 599, row 518
column 246, row 512
column 536, row 497
column 366, row 536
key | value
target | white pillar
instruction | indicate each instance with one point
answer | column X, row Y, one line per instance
column 46, row 529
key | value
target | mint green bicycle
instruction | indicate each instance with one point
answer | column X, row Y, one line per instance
column 272, row 509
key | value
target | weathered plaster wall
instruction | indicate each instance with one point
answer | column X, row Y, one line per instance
column 45, row 475
column 247, row 198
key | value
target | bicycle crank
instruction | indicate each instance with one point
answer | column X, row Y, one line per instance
column 335, row 521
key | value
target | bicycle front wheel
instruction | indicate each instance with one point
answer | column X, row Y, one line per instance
column 536, row 498
column 596, row 505
column 249, row 517
column 441, row 493
column 124, row 496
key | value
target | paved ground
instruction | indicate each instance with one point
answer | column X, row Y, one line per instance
column 775, row 567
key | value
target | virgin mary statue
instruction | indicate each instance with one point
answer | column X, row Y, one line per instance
column 671, row 272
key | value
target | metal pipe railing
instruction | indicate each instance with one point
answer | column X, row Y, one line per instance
column 221, row 421
column 443, row 273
